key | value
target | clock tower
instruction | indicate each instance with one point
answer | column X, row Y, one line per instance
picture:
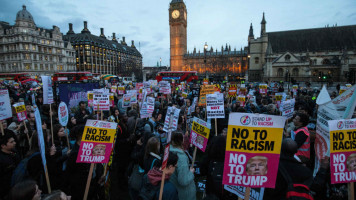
column 178, row 33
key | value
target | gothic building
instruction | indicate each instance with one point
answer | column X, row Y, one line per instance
column 315, row 55
column 24, row 47
column 98, row 54
column 216, row 64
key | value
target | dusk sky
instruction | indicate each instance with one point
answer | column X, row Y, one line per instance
column 216, row 22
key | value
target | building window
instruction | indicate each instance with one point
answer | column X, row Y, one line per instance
column 280, row 72
column 326, row 62
column 257, row 60
column 27, row 66
column 295, row 72
column 287, row 58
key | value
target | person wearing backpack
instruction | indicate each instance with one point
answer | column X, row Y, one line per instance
column 151, row 154
column 152, row 181
column 9, row 159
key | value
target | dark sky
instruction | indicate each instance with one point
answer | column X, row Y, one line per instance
column 216, row 22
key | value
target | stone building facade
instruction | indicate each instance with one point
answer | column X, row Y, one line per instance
column 215, row 64
column 315, row 55
column 24, row 47
column 98, row 54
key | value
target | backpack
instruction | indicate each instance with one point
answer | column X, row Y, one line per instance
column 136, row 177
column 21, row 173
column 148, row 191
column 298, row 191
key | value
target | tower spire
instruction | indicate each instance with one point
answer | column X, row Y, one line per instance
column 263, row 25
column 250, row 34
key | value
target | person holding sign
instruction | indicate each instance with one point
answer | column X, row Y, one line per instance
column 183, row 177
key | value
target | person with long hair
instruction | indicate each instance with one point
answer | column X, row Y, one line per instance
column 183, row 176
column 25, row 190
column 152, row 153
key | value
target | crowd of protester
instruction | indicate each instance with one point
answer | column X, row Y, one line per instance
column 135, row 171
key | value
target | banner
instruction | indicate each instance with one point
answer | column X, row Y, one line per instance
column 41, row 141
column 20, row 111
column 341, row 107
column 5, row 106
column 232, row 91
column 101, row 100
column 200, row 133
column 63, row 114
column 204, row 90
column 255, row 193
column 287, row 108
column 342, row 151
column 253, row 146
column 215, row 105
column 73, row 93
column 47, row 90
column 97, row 142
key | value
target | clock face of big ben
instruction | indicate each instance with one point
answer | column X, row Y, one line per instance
column 175, row 14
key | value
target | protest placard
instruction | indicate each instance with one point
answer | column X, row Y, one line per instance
column 206, row 81
column 263, row 88
column 90, row 96
column 113, row 89
column 5, row 106
column 253, row 139
column 121, row 90
column 243, row 90
column 111, row 99
column 164, row 87
column 63, row 114
column 204, row 90
column 101, row 101
column 287, row 108
column 126, row 100
column 255, row 193
column 97, row 142
column 200, row 133
column 165, row 157
column 20, row 111
column 241, row 99
column 232, row 90
column 215, row 105
column 171, row 116
column 133, row 94
column 342, row 150
column 278, row 97
column 47, row 90
column 342, row 89
column 150, row 104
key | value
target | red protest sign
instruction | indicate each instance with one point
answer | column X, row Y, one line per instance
column 165, row 157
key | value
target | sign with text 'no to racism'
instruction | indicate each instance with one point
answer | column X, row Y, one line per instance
column 342, row 150
column 97, row 142
column 200, row 133
column 253, row 147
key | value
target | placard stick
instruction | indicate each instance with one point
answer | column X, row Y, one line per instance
column 97, row 113
column 50, row 113
column 216, row 127
column 65, row 130
column 194, row 155
column 88, row 181
column 162, row 184
column 350, row 191
column 2, row 128
column 47, row 180
column 247, row 193
column 28, row 137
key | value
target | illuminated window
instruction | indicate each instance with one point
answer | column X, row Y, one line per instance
column 26, row 46
column 33, row 47
column 27, row 66
column 48, row 42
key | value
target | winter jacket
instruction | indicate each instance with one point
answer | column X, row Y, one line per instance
column 183, row 178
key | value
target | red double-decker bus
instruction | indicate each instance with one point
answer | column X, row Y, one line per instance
column 17, row 77
column 177, row 76
column 72, row 76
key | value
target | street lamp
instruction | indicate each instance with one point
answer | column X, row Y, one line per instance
column 160, row 62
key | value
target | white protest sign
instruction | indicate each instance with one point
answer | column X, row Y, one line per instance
column 101, row 100
column 215, row 105
column 47, row 90
column 40, row 137
column 287, row 108
column 255, row 193
column 20, row 111
column 63, row 114
column 5, row 106
column 150, row 104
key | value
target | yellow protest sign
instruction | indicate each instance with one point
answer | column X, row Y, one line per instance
column 204, row 90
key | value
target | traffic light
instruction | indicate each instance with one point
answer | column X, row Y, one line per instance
column 324, row 77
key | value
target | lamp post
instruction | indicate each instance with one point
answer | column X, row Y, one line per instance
column 205, row 48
